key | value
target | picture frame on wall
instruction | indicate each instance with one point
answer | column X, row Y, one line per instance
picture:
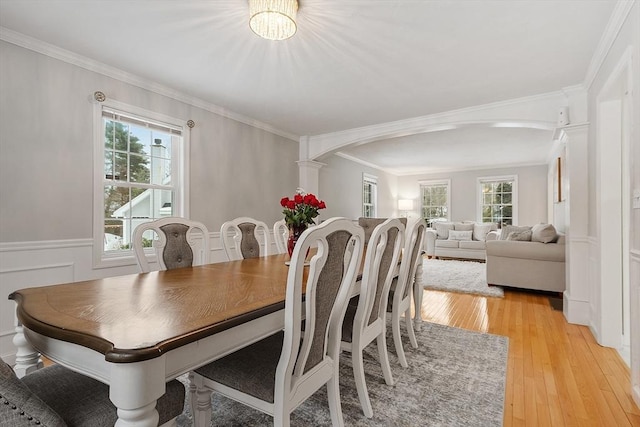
column 559, row 195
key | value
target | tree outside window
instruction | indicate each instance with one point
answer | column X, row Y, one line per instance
column 497, row 199
column 139, row 179
column 435, row 201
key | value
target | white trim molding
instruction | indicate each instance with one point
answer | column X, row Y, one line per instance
column 55, row 52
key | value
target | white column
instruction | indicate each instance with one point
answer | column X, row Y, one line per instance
column 309, row 176
column 576, row 295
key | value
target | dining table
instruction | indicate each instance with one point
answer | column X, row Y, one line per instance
column 136, row 332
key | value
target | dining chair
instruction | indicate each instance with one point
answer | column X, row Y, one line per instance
column 368, row 224
column 366, row 320
column 276, row 374
column 177, row 242
column 281, row 236
column 55, row 396
column 402, row 292
column 242, row 237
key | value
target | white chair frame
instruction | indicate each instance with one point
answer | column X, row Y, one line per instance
column 403, row 291
column 363, row 331
column 200, row 246
column 231, row 237
column 281, row 236
column 292, row 385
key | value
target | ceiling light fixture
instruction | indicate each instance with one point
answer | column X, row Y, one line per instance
column 273, row 19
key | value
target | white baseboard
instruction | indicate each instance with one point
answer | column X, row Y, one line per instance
column 575, row 311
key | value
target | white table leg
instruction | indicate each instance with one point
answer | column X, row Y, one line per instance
column 134, row 389
column 418, row 292
column 27, row 358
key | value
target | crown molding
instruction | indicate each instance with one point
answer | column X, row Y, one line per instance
column 616, row 21
column 452, row 119
column 364, row 162
column 471, row 168
column 69, row 57
column 430, row 171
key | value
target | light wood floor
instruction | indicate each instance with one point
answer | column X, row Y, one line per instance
column 557, row 375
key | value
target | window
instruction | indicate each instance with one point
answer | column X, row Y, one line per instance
column 498, row 199
column 435, row 200
column 139, row 167
column 369, row 195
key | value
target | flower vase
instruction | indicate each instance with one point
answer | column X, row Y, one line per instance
column 295, row 231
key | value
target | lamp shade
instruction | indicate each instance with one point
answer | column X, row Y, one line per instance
column 405, row 204
column 273, row 19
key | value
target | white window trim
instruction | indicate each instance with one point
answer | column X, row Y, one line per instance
column 180, row 169
column 374, row 180
column 514, row 194
column 446, row 182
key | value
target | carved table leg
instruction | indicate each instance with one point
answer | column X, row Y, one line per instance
column 418, row 292
column 134, row 388
column 27, row 358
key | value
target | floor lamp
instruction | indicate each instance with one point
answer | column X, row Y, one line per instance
column 405, row 206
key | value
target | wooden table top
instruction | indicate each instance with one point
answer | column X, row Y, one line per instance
column 140, row 316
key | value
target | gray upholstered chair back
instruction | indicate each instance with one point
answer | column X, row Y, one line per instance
column 177, row 242
column 384, row 250
column 412, row 254
column 332, row 273
column 244, row 238
column 57, row 397
column 368, row 224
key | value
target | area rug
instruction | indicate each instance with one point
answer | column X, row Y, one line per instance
column 455, row 378
column 468, row 277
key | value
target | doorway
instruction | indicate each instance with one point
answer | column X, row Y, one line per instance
column 613, row 209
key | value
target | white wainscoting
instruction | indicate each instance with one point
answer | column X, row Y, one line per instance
column 576, row 297
column 31, row 264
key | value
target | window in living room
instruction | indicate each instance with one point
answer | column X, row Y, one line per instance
column 498, row 199
column 139, row 167
column 369, row 195
column 435, row 200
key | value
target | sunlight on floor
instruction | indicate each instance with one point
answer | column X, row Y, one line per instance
column 440, row 307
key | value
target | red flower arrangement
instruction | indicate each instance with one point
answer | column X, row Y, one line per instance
column 302, row 209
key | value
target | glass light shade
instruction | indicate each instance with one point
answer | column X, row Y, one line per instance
column 273, row 19
column 405, row 205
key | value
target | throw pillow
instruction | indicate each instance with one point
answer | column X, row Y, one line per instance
column 544, row 233
column 460, row 235
column 459, row 226
column 520, row 236
column 506, row 229
column 442, row 228
column 480, row 231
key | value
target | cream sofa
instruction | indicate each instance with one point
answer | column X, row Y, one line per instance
column 467, row 240
column 527, row 264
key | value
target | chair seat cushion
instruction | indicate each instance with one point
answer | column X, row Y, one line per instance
column 252, row 370
column 19, row 406
column 347, row 323
column 84, row 402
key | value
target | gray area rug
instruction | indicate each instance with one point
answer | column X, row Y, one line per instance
column 455, row 378
column 468, row 277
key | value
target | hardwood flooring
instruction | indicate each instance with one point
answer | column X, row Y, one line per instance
column 557, row 375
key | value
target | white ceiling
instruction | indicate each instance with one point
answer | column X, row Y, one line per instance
column 352, row 63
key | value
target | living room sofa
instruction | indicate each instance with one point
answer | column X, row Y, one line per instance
column 466, row 239
column 538, row 263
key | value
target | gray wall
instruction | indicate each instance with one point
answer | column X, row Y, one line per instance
column 340, row 183
column 46, row 152
column 532, row 192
